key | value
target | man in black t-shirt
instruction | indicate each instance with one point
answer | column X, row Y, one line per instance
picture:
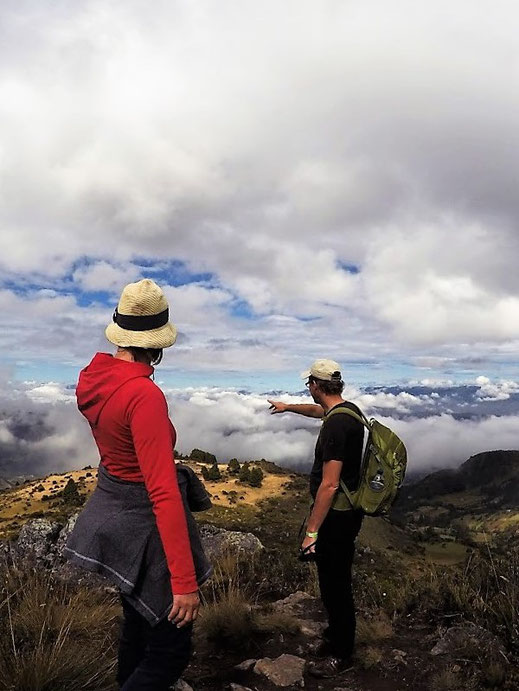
column 330, row 534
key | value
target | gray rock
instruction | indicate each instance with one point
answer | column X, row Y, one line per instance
column 6, row 553
column 285, row 670
column 469, row 641
column 36, row 539
column 311, row 629
column 63, row 536
column 297, row 604
column 181, row 685
column 245, row 666
column 217, row 541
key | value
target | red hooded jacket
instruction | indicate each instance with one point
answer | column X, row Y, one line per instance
column 128, row 416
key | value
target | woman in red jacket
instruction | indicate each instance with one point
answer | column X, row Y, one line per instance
column 134, row 528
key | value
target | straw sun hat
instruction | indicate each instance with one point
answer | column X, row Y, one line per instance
column 141, row 318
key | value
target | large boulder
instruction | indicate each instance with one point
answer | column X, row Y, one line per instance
column 36, row 539
column 218, row 541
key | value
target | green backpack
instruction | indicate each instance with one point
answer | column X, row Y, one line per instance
column 381, row 472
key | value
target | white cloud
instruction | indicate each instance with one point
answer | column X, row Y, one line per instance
column 272, row 146
column 233, row 424
column 51, row 392
column 105, row 276
column 42, row 431
column 440, row 442
column 495, row 391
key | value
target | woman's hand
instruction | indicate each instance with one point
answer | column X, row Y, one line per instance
column 185, row 609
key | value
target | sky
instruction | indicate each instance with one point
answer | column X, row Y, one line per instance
column 305, row 179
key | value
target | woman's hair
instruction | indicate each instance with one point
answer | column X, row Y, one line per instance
column 330, row 388
column 152, row 356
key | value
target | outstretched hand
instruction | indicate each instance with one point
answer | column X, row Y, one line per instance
column 277, row 407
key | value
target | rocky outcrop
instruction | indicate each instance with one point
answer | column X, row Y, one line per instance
column 41, row 541
column 37, row 539
column 217, row 541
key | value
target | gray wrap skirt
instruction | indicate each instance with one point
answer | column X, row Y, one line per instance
column 116, row 535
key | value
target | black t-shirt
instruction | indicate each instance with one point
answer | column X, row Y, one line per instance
column 341, row 439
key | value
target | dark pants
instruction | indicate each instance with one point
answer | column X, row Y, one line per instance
column 151, row 658
column 335, row 550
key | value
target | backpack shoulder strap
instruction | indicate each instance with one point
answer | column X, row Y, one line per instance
column 346, row 411
column 363, row 420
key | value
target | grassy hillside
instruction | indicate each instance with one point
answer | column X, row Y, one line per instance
column 231, row 498
column 413, row 579
column 475, row 504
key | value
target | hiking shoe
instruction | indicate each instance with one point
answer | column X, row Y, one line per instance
column 331, row 666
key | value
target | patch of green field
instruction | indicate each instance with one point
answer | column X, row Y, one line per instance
column 445, row 553
column 379, row 533
column 462, row 500
column 235, row 517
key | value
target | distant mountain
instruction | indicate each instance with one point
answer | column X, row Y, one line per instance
column 8, row 482
column 493, row 474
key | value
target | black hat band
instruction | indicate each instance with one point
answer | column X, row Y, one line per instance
column 141, row 323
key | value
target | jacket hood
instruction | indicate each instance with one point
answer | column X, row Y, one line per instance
column 101, row 378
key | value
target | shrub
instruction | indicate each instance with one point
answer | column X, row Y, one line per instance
column 244, row 475
column 71, row 496
column 233, row 466
column 256, row 477
column 214, row 474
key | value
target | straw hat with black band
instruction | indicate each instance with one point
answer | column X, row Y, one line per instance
column 141, row 319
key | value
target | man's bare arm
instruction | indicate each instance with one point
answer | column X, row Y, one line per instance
column 307, row 409
column 325, row 494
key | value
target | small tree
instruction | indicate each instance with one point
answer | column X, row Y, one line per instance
column 202, row 456
column 244, row 473
column 256, row 477
column 205, row 472
column 71, row 496
column 233, row 466
column 213, row 473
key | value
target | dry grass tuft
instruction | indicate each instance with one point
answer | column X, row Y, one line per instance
column 447, row 680
column 229, row 616
column 53, row 636
column 493, row 675
column 375, row 630
column 370, row 657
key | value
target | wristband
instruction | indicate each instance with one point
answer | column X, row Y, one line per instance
column 312, row 535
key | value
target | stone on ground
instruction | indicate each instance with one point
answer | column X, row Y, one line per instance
column 285, row 670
